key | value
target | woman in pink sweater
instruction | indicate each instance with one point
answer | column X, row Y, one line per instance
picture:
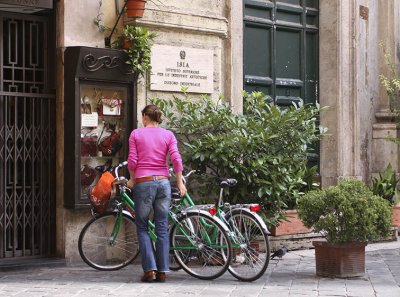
column 148, row 168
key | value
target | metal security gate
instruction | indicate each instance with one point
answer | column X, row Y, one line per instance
column 281, row 49
column 27, row 139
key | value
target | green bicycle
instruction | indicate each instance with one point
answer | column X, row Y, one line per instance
column 109, row 242
column 248, row 233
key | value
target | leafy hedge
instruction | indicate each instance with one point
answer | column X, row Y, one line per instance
column 264, row 148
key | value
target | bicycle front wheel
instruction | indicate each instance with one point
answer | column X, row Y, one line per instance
column 250, row 243
column 201, row 245
column 103, row 251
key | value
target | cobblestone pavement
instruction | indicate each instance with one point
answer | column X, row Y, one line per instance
column 292, row 276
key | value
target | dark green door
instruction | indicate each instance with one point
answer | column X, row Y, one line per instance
column 281, row 49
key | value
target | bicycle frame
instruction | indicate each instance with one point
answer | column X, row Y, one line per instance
column 109, row 240
column 219, row 212
column 126, row 201
column 221, row 209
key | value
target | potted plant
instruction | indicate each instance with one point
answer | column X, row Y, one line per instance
column 136, row 42
column 291, row 223
column 385, row 186
column 348, row 215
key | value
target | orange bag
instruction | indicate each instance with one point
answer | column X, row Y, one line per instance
column 101, row 192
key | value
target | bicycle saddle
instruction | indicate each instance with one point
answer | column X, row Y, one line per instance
column 228, row 182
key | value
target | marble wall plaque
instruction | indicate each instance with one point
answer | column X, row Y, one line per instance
column 174, row 67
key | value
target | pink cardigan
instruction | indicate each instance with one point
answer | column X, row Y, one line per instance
column 148, row 149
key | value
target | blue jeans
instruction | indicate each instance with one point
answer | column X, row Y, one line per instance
column 156, row 196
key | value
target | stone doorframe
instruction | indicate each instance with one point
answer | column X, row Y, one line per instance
column 234, row 58
column 350, row 63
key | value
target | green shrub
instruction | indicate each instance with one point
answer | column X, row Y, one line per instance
column 348, row 212
column 385, row 185
column 265, row 148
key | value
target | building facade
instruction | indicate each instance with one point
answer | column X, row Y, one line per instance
column 294, row 50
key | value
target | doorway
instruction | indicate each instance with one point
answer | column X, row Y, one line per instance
column 27, row 136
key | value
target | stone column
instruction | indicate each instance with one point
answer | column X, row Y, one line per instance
column 349, row 86
column 336, row 83
column 234, row 57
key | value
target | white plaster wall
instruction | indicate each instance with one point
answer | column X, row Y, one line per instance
column 75, row 221
column 75, row 28
column 79, row 26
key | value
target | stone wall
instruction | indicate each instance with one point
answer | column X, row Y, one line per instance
column 194, row 24
column 350, row 64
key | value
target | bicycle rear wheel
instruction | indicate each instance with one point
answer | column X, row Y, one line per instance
column 97, row 247
column 251, row 249
column 201, row 245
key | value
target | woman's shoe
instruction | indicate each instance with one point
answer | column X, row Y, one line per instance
column 148, row 277
column 161, row 276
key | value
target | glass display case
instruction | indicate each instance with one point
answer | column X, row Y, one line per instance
column 99, row 113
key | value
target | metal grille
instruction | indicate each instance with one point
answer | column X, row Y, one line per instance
column 27, row 140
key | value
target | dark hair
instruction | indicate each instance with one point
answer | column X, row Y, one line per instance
column 153, row 112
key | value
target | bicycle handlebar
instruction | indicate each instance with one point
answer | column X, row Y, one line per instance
column 184, row 177
column 125, row 163
column 190, row 173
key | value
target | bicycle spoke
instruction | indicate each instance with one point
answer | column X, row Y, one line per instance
column 100, row 250
column 251, row 257
column 208, row 242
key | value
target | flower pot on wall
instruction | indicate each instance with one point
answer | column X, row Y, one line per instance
column 339, row 260
column 293, row 225
column 135, row 8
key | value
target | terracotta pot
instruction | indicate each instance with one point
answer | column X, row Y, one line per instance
column 127, row 44
column 293, row 225
column 135, row 8
column 339, row 260
column 396, row 216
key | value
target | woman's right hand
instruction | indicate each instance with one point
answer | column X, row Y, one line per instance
column 180, row 184
column 130, row 183
column 182, row 189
